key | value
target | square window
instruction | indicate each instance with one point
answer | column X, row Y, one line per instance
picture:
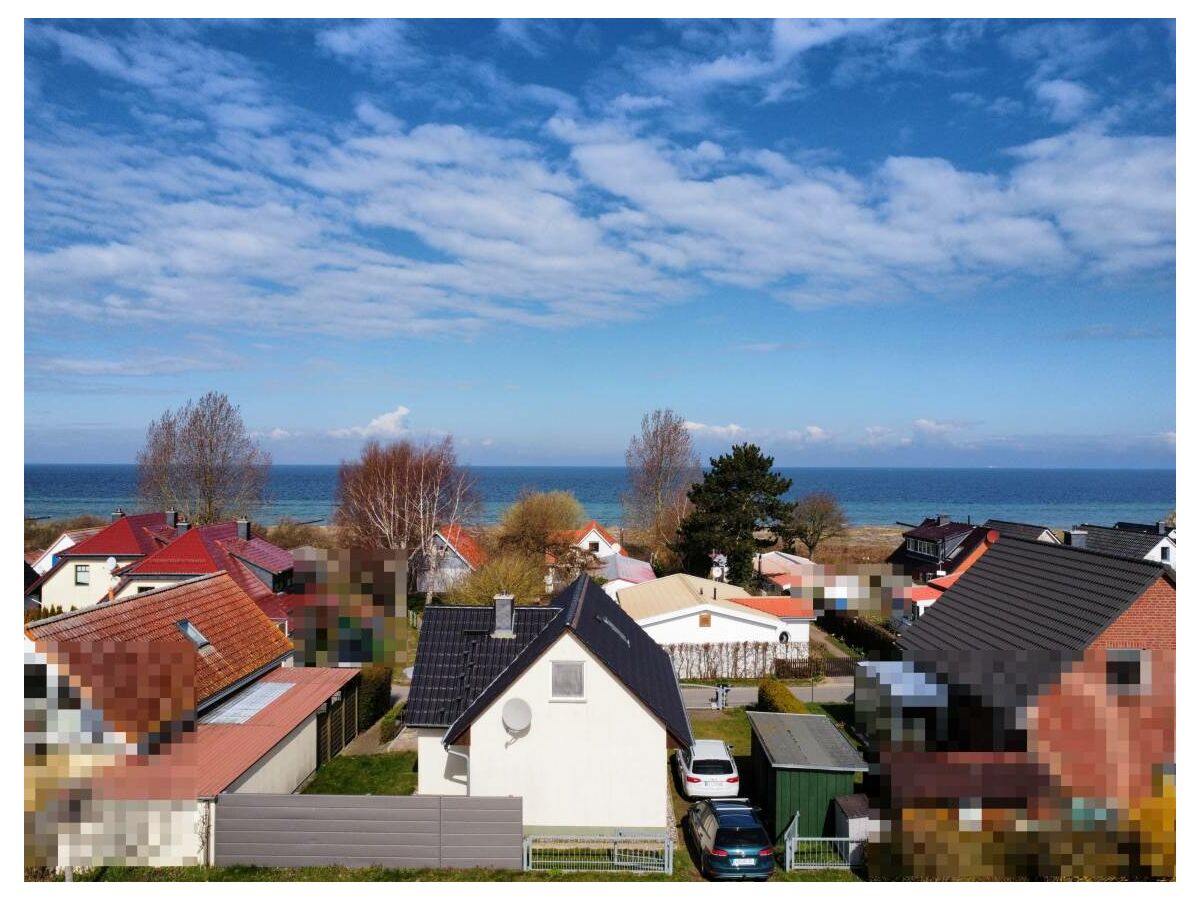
column 1128, row 672
column 594, row 546
column 83, row 574
column 566, row 681
column 705, row 620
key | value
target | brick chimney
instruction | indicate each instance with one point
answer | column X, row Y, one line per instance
column 243, row 529
column 502, row 606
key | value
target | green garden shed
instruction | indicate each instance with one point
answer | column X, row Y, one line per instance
column 799, row 764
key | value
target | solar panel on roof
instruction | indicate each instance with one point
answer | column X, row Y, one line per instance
column 247, row 704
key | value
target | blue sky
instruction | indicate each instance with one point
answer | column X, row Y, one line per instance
column 852, row 242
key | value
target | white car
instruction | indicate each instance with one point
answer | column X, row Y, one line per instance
column 707, row 769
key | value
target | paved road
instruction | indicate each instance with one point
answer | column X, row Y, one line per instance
column 831, row 690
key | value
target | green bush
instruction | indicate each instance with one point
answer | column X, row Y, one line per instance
column 374, row 695
column 774, row 696
column 869, row 638
column 389, row 725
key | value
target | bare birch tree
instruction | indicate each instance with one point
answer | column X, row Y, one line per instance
column 817, row 517
column 662, row 465
column 397, row 495
column 200, row 461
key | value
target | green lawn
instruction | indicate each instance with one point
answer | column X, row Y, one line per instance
column 380, row 774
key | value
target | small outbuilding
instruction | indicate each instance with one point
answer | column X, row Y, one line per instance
column 799, row 765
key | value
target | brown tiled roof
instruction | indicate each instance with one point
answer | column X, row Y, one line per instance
column 242, row 640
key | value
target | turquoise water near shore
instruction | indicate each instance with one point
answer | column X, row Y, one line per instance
column 877, row 496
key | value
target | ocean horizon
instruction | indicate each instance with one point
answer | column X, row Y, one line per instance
column 1057, row 498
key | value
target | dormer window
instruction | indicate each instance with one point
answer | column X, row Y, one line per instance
column 193, row 634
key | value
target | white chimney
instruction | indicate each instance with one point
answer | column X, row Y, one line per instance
column 502, row 605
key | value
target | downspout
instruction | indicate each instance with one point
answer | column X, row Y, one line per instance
column 466, row 758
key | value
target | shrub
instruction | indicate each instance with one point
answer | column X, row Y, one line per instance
column 374, row 694
column 870, row 638
column 389, row 725
column 774, row 696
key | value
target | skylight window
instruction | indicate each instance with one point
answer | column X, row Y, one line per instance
column 242, row 708
column 193, row 634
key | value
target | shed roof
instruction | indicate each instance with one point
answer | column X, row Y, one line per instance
column 804, row 741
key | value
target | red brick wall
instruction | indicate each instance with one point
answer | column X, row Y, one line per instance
column 1097, row 743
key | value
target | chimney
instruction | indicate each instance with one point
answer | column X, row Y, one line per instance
column 1162, row 527
column 1076, row 538
column 243, row 527
column 172, row 518
column 118, row 513
column 181, row 527
column 502, row 604
column 943, row 519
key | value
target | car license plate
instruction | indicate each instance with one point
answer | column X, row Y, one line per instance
column 743, row 861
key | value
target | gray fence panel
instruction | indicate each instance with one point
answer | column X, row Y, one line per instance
column 291, row 830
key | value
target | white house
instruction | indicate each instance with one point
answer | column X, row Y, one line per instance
column 1128, row 539
column 685, row 609
column 458, row 556
column 621, row 572
column 571, row 707
column 65, row 541
column 796, row 613
column 596, row 539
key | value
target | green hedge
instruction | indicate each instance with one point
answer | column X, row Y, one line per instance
column 774, row 696
column 869, row 638
column 374, row 695
column 389, row 725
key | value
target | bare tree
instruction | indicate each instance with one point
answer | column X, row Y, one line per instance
column 816, row 517
column 200, row 461
column 662, row 466
column 397, row 495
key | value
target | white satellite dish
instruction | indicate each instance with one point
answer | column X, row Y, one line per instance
column 516, row 716
column 110, row 564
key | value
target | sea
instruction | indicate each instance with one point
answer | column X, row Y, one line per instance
column 1056, row 498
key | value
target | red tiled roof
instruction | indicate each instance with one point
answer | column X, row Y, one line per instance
column 580, row 533
column 138, row 535
column 945, row 582
column 783, row 607
column 463, row 544
column 215, row 548
column 242, row 639
column 220, row 754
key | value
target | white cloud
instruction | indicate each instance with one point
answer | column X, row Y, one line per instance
column 1066, row 101
column 728, row 431
column 387, row 425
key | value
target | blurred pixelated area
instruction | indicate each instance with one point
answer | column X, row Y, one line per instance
column 349, row 607
column 110, row 763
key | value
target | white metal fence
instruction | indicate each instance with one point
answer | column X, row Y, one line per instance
column 632, row 853
column 820, row 852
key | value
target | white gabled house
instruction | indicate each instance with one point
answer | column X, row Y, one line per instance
column 595, row 539
column 64, row 542
column 570, row 706
column 459, row 554
column 686, row 609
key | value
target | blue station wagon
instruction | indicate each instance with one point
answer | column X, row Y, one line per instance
column 730, row 840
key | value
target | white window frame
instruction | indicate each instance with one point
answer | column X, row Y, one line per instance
column 582, row 698
column 85, row 570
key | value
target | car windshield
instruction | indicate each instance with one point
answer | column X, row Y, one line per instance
column 712, row 767
column 741, row 838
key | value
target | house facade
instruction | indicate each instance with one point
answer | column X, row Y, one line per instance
column 936, row 547
column 686, row 609
column 44, row 561
column 458, row 555
column 570, row 707
column 596, row 540
column 1040, row 688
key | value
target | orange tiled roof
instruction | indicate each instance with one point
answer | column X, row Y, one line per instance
column 242, row 639
column 464, row 545
column 783, row 607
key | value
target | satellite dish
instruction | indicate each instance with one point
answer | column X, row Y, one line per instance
column 110, row 563
column 516, row 716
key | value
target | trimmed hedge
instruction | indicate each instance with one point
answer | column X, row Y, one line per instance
column 374, row 694
column 869, row 638
column 774, row 696
column 389, row 725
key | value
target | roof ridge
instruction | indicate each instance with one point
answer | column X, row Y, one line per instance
column 1148, row 564
column 109, row 604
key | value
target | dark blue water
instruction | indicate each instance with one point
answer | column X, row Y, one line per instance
column 1054, row 497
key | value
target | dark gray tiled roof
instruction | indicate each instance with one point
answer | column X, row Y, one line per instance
column 855, row 806
column 457, row 658
column 1031, row 596
column 1022, row 530
column 1119, row 541
column 462, row 671
column 794, row 741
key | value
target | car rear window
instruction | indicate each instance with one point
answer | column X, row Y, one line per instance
column 712, row 767
column 741, row 837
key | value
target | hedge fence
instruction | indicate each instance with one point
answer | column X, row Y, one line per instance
column 745, row 659
column 868, row 637
column 374, row 694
